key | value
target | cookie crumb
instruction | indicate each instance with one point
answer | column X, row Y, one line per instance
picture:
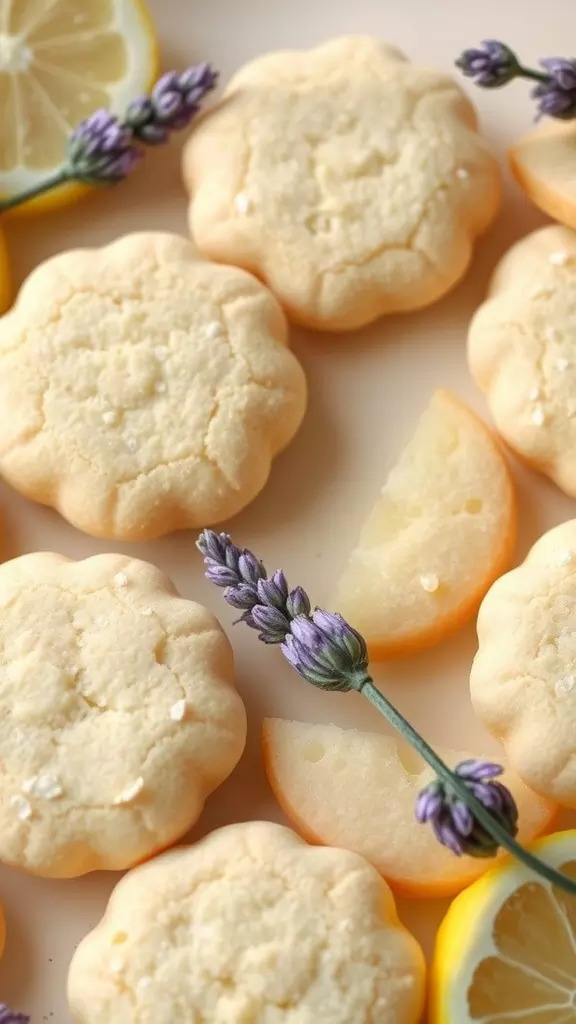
column 160, row 387
column 559, row 259
column 120, row 579
column 534, row 393
column 562, row 364
column 116, row 964
column 110, row 417
column 429, row 582
column 462, row 173
column 47, row 787
column 178, row 710
column 146, row 612
column 564, row 685
column 537, row 417
column 564, row 557
column 130, row 792
column 243, row 203
column 214, row 329
column 22, row 807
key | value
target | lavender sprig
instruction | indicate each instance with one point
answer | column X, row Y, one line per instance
column 494, row 64
column 468, row 811
column 454, row 824
column 8, row 1016
column 104, row 149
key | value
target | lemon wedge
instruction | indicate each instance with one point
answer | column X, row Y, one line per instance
column 442, row 530
column 5, row 278
column 342, row 787
column 506, row 950
column 59, row 61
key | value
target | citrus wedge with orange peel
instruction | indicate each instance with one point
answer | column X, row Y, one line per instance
column 442, row 530
column 506, row 950
column 60, row 60
column 5, row 277
column 357, row 790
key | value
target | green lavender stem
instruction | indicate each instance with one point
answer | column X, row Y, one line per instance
column 367, row 688
column 59, row 178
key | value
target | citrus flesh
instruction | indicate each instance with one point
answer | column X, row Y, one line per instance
column 506, row 950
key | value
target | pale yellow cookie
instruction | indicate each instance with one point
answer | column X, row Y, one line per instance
column 249, row 926
column 351, row 182
column 118, row 713
column 143, row 390
column 443, row 529
column 543, row 164
column 522, row 351
column 523, row 680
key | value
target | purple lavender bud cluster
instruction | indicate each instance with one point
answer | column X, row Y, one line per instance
column 452, row 820
column 103, row 149
column 557, row 96
column 8, row 1016
column 100, row 150
column 491, row 65
column 174, row 101
column 326, row 651
column 321, row 646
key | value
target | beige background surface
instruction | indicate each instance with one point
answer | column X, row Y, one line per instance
column 367, row 390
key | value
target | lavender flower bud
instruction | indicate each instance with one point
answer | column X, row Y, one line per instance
column 271, row 622
column 8, row 1016
column 557, row 97
column 326, row 651
column 174, row 101
column 100, row 150
column 251, row 568
column 273, row 591
column 452, row 820
column 491, row 65
column 298, row 603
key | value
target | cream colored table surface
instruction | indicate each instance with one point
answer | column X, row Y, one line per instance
column 366, row 391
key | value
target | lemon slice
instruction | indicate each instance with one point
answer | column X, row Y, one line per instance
column 59, row 61
column 442, row 530
column 506, row 950
column 5, row 278
column 342, row 787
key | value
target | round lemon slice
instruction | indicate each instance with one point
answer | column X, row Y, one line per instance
column 506, row 950
column 59, row 61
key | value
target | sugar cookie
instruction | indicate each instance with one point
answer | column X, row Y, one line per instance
column 523, row 680
column 351, row 182
column 118, row 713
column 543, row 164
column 249, row 925
column 143, row 390
column 522, row 352
column 442, row 530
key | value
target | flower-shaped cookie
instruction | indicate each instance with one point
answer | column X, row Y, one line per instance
column 522, row 351
column 118, row 713
column 523, row 680
column 351, row 182
column 143, row 390
column 249, row 925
